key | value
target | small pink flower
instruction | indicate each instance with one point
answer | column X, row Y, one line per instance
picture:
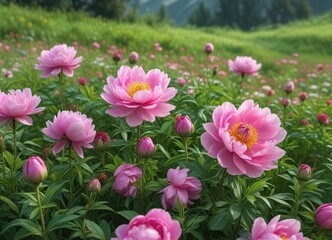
column 94, row 185
column 183, row 126
column 157, row 47
column 285, row 102
column 18, row 105
column 157, row 224
column 59, row 58
column 125, row 177
column 286, row 229
column 303, row 96
column 145, row 147
column 289, row 87
column 270, row 92
column 323, row 216
column 304, row 172
column 209, row 48
column 244, row 66
column 323, row 118
column 181, row 187
column 82, row 81
column 34, row 170
column 304, row 122
column 95, row 45
column 181, row 81
column 71, row 128
column 117, row 56
column 133, row 58
column 138, row 96
column 295, row 55
column 244, row 140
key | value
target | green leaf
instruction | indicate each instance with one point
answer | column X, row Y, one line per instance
column 95, row 230
column 60, row 221
column 162, row 149
column 257, row 186
column 106, row 228
column 10, row 203
column 153, row 186
column 52, row 191
column 127, row 214
column 220, row 220
column 28, row 225
column 235, row 210
column 101, row 206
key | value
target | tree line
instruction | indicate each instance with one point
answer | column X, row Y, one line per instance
column 248, row 14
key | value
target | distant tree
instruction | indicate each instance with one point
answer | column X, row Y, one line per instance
column 281, row 11
column 112, row 9
column 228, row 13
column 302, row 9
column 201, row 17
column 250, row 14
column 163, row 13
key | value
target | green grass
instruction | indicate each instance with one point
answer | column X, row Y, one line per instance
column 312, row 39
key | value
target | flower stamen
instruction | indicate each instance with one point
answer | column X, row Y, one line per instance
column 137, row 86
column 244, row 133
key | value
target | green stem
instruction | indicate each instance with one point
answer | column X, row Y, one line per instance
column 2, row 145
column 137, row 140
column 186, row 151
column 143, row 183
column 63, row 100
column 297, row 196
column 237, row 225
column 41, row 212
column 220, row 189
column 71, row 177
column 14, row 154
column 182, row 217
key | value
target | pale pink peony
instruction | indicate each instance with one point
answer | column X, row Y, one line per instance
column 157, row 224
column 138, row 96
column 125, row 177
column 244, row 66
column 244, row 139
column 71, row 128
column 34, row 170
column 58, row 58
column 18, row 105
column 275, row 230
column 181, row 187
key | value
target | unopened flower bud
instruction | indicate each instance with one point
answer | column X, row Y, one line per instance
column 145, row 147
column 289, row 87
column 285, row 102
column 133, row 58
column 102, row 177
column 34, row 170
column 209, row 48
column 117, row 57
column 101, row 141
column 184, row 127
column 324, row 216
column 94, row 185
column 323, row 118
column 303, row 96
column 304, row 172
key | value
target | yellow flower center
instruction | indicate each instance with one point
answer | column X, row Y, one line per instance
column 244, row 133
column 283, row 237
column 137, row 86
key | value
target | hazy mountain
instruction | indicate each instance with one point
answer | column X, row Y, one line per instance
column 179, row 10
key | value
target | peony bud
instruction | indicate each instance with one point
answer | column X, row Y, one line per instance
column 303, row 96
column 304, row 122
column 323, row 118
column 34, row 170
column 82, row 81
column 117, row 57
column 181, row 81
column 133, row 58
column 145, row 147
column 270, row 92
column 94, row 185
column 285, row 102
column 101, row 141
column 289, row 87
column 304, row 172
column 184, row 127
column 102, row 177
column 209, row 48
column 324, row 216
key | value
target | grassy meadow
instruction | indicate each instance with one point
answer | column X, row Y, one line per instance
column 299, row 52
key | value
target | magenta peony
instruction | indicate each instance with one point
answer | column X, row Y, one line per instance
column 244, row 66
column 208, row 48
column 157, row 224
column 125, row 177
column 72, row 128
column 59, row 58
column 289, row 87
column 138, row 96
column 324, row 216
column 145, row 147
column 181, row 187
column 275, row 230
column 34, row 170
column 18, row 105
column 101, row 141
column 133, row 58
column 244, row 139
column 183, row 126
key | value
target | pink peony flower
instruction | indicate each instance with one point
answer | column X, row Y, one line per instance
column 157, row 224
column 275, row 230
column 181, row 81
column 133, row 58
column 323, row 118
column 145, row 147
column 244, row 140
column 96, row 45
column 101, row 141
column 289, row 87
column 71, row 128
column 183, row 126
column 303, row 96
column 34, row 170
column 125, row 177
column 244, row 66
column 324, row 216
column 181, row 187
column 209, row 48
column 138, row 96
column 58, row 58
column 18, row 105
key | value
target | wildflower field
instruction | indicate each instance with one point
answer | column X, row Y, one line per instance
column 117, row 131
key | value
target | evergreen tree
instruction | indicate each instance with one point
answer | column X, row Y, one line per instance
column 201, row 17
column 302, row 10
column 163, row 13
column 229, row 13
column 112, row 9
column 250, row 15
